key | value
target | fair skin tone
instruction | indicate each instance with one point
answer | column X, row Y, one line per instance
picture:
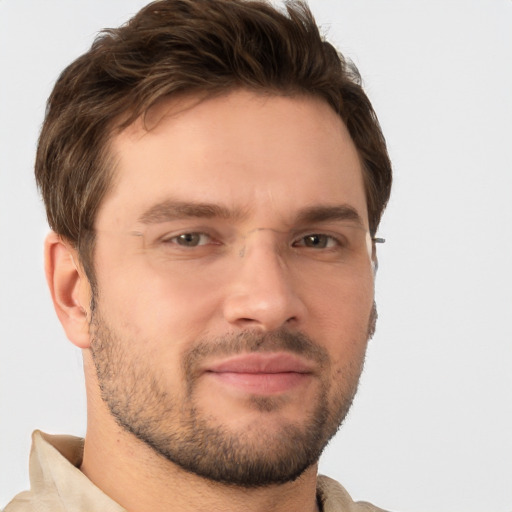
column 211, row 230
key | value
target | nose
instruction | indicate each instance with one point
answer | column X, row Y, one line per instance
column 261, row 292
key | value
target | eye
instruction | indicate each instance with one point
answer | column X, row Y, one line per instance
column 316, row 241
column 189, row 239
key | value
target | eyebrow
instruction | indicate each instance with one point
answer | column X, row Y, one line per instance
column 172, row 210
column 169, row 210
column 344, row 212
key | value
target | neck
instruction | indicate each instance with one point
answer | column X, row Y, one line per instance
column 140, row 480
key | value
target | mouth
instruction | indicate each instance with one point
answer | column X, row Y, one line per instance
column 261, row 373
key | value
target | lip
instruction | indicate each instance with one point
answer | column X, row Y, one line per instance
column 261, row 373
column 262, row 362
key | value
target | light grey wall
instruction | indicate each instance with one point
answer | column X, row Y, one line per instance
column 431, row 426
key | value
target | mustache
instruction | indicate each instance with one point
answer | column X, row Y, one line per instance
column 253, row 342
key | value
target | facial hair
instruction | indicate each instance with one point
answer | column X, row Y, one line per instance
column 173, row 424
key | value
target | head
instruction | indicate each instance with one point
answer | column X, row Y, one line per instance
column 241, row 124
column 171, row 48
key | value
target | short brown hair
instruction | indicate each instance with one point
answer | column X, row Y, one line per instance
column 206, row 47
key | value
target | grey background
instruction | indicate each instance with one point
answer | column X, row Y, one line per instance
column 431, row 426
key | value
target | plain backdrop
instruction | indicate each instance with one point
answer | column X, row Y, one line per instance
column 431, row 428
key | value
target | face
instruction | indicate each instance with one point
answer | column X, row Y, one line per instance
column 235, row 284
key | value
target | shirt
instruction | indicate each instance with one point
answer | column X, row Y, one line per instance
column 57, row 485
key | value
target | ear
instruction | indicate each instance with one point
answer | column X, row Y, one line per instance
column 69, row 288
column 374, row 259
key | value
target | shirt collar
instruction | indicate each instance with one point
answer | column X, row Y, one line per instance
column 57, row 482
column 55, row 476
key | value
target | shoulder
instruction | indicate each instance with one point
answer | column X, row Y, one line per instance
column 56, row 482
column 334, row 498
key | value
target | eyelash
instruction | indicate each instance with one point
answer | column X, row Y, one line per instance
column 330, row 240
column 174, row 239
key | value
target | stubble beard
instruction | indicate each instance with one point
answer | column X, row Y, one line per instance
column 176, row 428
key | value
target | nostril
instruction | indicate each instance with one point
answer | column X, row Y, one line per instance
column 291, row 319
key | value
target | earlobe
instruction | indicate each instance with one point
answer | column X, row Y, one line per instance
column 375, row 260
column 69, row 288
column 375, row 265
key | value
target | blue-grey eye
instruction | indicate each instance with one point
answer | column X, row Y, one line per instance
column 316, row 241
column 191, row 239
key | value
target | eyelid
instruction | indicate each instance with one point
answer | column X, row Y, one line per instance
column 165, row 231
column 174, row 236
column 338, row 239
column 228, row 235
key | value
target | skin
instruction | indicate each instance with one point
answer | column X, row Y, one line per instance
column 262, row 160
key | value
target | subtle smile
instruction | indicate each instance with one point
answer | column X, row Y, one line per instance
column 262, row 373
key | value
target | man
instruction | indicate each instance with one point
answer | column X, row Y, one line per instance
column 214, row 177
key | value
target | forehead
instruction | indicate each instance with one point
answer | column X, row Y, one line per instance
column 267, row 155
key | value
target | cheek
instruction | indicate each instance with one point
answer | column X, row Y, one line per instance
column 154, row 306
column 340, row 298
column 339, row 312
